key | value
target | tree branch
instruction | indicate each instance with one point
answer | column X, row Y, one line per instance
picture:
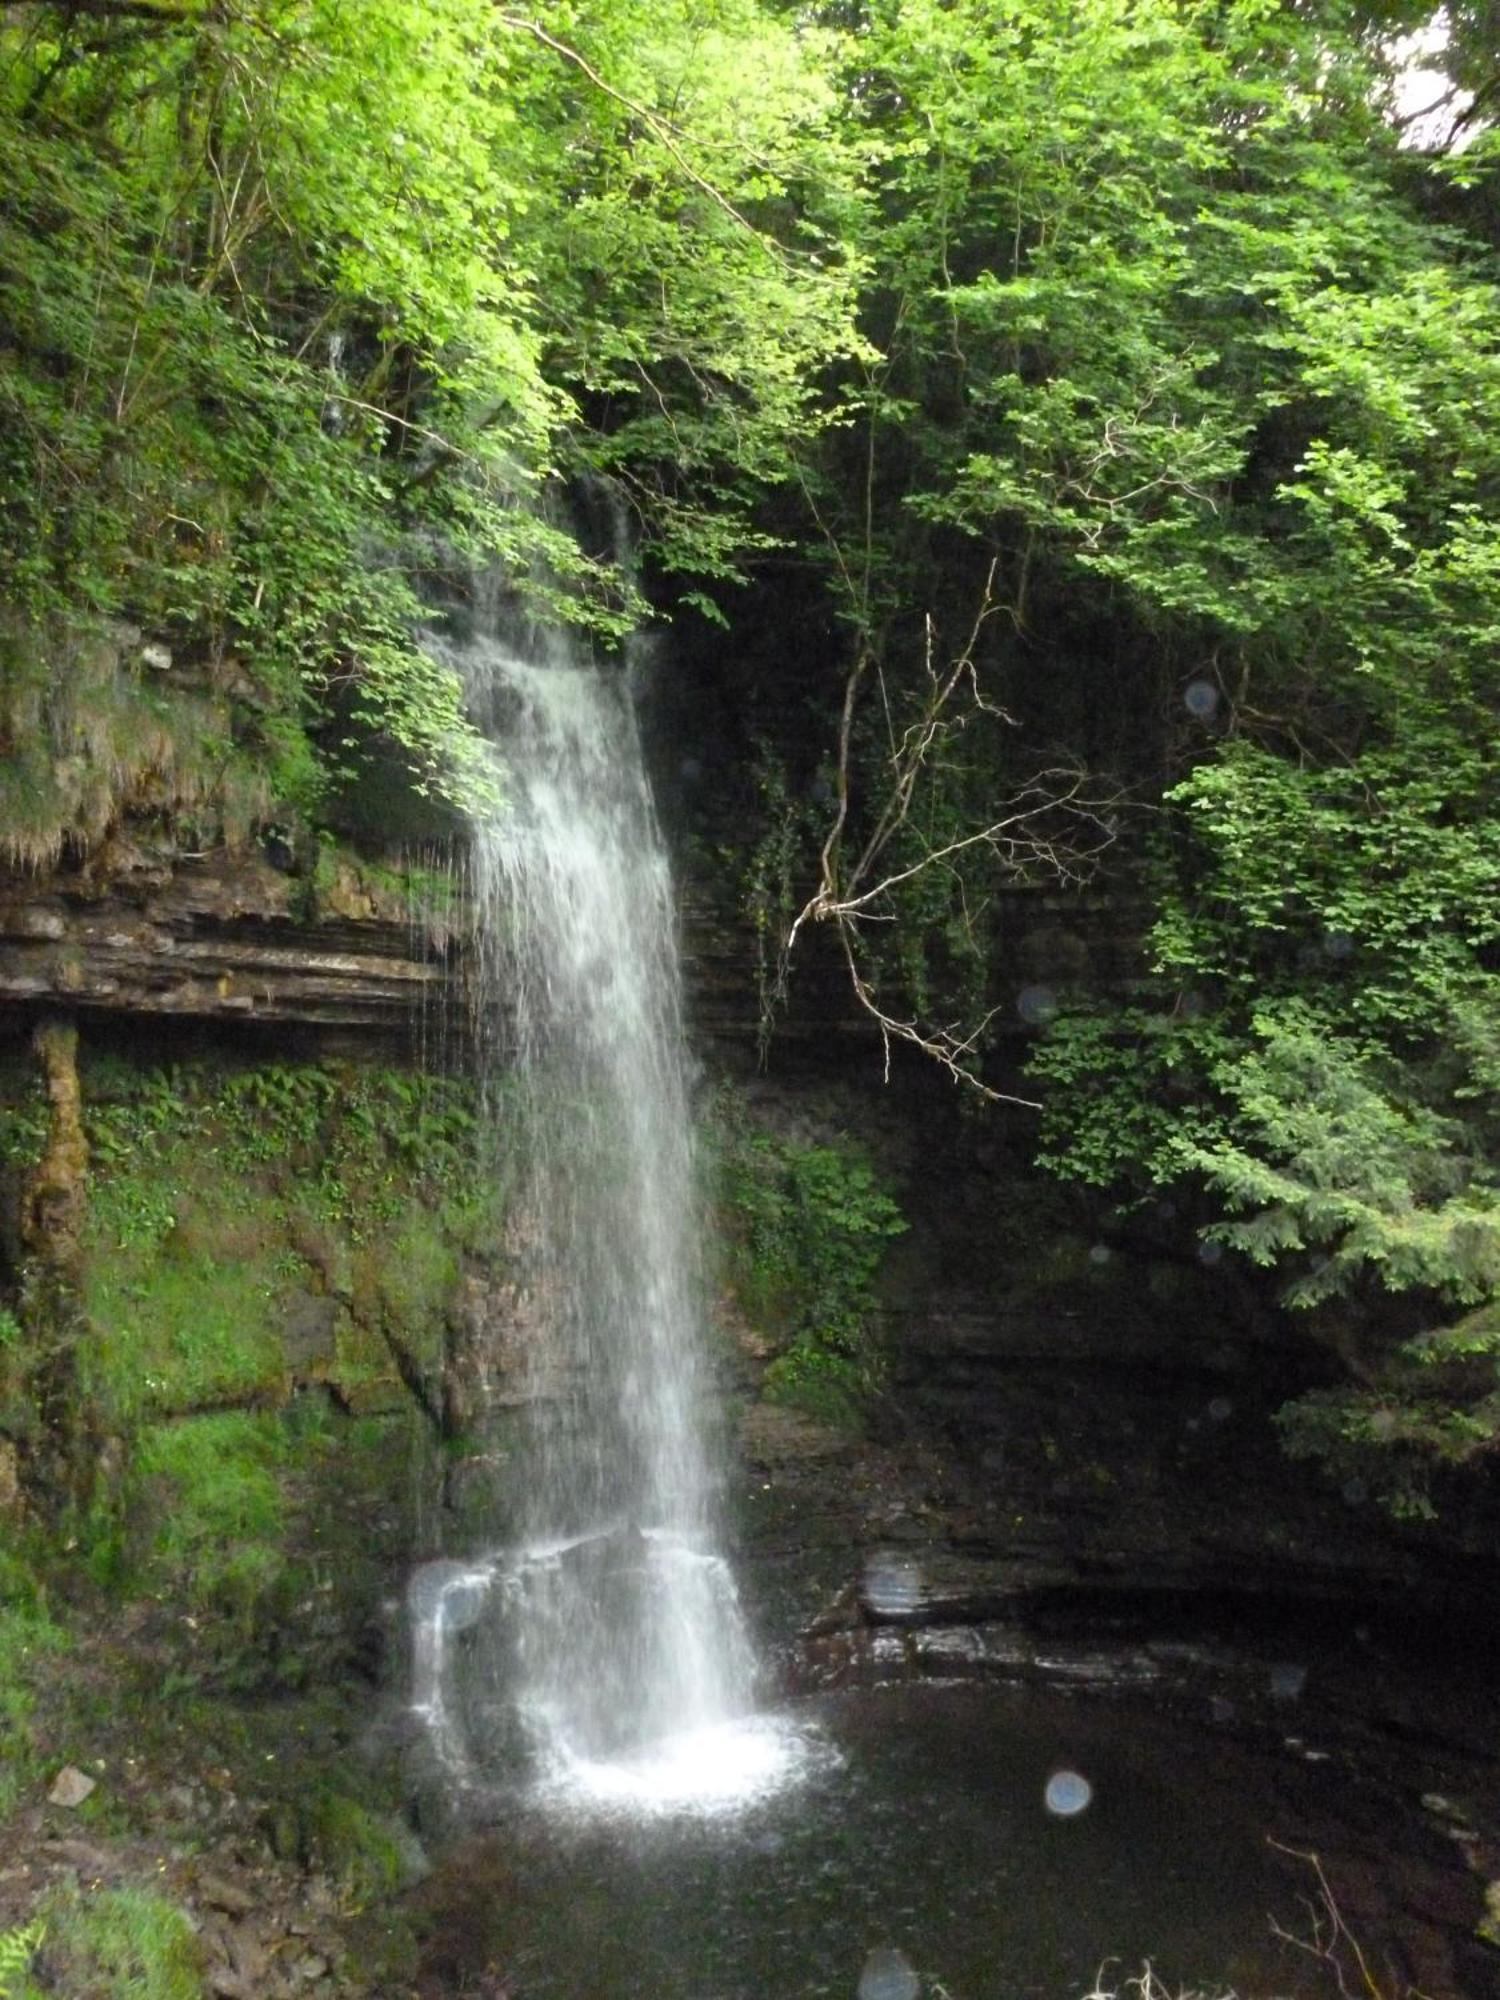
column 1051, row 825
column 662, row 130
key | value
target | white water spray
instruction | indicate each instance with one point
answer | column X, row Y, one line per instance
column 625, row 1648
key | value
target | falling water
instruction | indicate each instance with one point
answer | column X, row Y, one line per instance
column 624, row 1644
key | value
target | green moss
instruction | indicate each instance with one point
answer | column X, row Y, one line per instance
column 256, row 1235
column 805, row 1228
column 361, row 1851
column 211, row 1492
column 118, row 1944
column 28, row 1642
column 405, row 1280
column 316, row 1176
column 180, row 1333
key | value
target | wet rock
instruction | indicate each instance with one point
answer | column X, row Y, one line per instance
column 219, row 1893
column 1444, row 1808
column 249, row 1958
column 949, row 1653
column 142, row 931
column 776, row 1436
column 307, row 1330
column 225, row 1983
column 91, row 1862
column 71, row 1787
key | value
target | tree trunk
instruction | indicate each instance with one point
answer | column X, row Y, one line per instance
column 51, row 1310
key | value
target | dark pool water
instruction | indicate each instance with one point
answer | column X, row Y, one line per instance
column 925, row 1829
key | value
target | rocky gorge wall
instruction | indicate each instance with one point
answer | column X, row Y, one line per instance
column 278, row 1209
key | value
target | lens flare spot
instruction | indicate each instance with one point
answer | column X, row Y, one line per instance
column 1068, row 1793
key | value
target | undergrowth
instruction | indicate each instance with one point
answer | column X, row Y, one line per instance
column 111, row 1944
column 29, row 1642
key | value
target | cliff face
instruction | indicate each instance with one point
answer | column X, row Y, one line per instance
column 142, row 929
column 1068, row 1410
column 139, row 929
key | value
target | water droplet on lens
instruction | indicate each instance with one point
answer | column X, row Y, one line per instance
column 1036, row 1005
column 1210, row 1253
column 1201, row 699
column 892, row 1586
column 1100, row 1254
column 1337, row 944
column 1220, row 1409
column 452, row 1593
column 1356, row 1491
column 1288, row 1680
column 1068, row 1793
column 888, row 1975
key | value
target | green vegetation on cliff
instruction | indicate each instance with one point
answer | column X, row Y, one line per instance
column 270, row 1256
column 804, row 1226
column 302, row 305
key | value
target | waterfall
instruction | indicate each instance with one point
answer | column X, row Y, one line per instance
column 609, row 1620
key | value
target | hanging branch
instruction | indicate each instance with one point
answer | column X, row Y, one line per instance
column 1329, row 1937
column 1054, row 824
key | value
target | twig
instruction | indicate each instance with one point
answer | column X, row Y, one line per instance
column 1328, row 1931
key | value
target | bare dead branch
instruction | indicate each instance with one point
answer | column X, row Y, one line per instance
column 1328, row 1937
column 1053, row 826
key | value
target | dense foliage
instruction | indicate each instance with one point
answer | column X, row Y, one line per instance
column 302, row 302
column 1121, row 377
column 1180, row 436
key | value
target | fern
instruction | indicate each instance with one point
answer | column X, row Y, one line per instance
column 17, row 1949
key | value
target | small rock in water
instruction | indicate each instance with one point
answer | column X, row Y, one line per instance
column 70, row 1787
column 1443, row 1808
column 1068, row 1793
column 888, row 1975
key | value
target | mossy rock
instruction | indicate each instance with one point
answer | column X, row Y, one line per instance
column 367, row 1854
